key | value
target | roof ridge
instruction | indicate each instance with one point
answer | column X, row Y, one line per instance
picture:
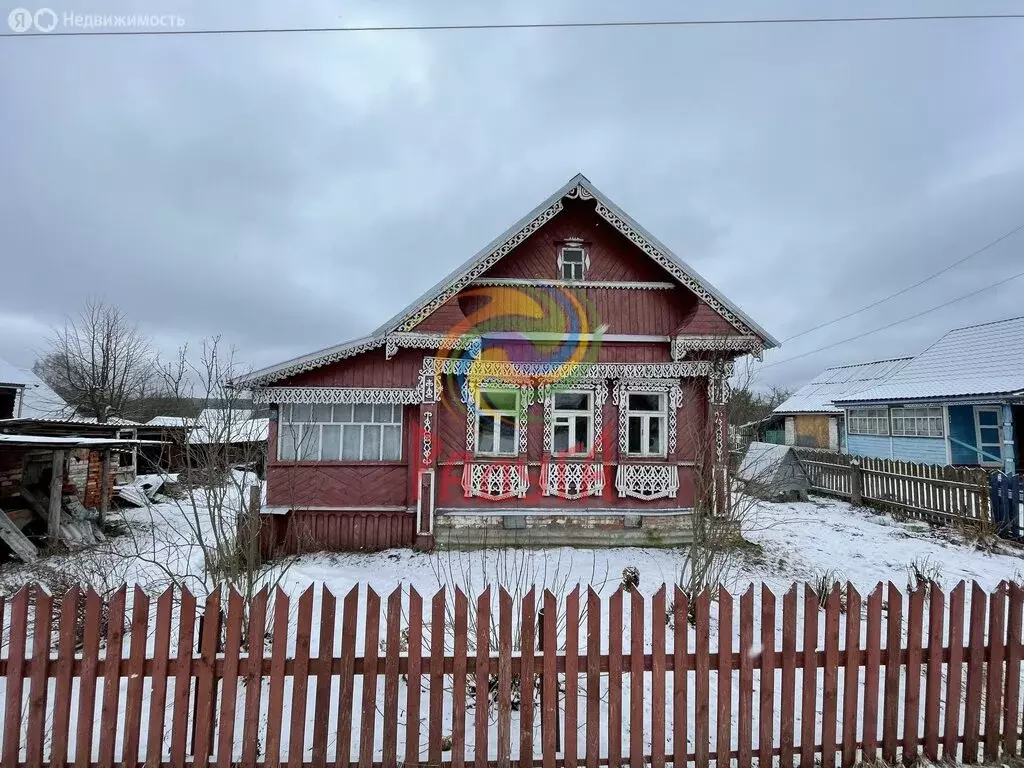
column 982, row 325
column 869, row 362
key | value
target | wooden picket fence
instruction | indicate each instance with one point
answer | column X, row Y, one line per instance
column 438, row 681
column 932, row 492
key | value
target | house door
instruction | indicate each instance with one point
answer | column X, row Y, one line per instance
column 989, row 434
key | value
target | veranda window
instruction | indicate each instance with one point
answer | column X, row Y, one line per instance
column 359, row 432
column 868, row 421
column 917, row 422
column 497, row 422
column 646, row 418
column 573, row 423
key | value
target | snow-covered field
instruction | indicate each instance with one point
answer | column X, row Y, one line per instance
column 792, row 543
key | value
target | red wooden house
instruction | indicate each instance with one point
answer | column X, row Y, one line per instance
column 566, row 384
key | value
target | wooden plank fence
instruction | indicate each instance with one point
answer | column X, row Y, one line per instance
column 1007, row 502
column 932, row 492
column 459, row 680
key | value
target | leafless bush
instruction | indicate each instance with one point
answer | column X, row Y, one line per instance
column 923, row 572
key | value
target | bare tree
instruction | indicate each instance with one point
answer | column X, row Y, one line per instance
column 746, row 402
column 99, row 361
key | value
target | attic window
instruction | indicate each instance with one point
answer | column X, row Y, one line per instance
column 573, row 260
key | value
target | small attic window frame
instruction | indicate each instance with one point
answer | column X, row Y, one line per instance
column 575, row 269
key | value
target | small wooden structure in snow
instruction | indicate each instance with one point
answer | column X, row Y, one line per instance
column 773, row 471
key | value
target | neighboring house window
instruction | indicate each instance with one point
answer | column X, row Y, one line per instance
column 646, row 419
column 917, row 422
column 868, row 421
column 573, row 423
column 572, row 262
column 497, row 422
column 360, row 432
column 988, row 434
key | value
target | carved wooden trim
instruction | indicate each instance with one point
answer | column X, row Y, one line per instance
column 684, row 344
column 647, row 481
column 571, row 480
column 440, row 341
column 495, row 482
column 638, row 285
column 338, row 395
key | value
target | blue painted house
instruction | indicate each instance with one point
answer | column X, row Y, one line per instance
column 955, row 403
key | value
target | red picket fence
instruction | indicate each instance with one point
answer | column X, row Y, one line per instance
column 659, row 680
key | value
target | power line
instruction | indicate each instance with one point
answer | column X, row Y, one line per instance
column 897, row 322
column 513, row 26
column 909, row 288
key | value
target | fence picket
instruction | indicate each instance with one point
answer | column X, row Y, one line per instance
column 112, row 677
column 830, row 680
column 975, row 673
column 66, row 641
column 933, row 682
column 206, row 696
column 570, row 748
column 371, row 652
column 483, row 655
column 851, row 687
column 87, row 680
column 391, row 654
column 808, row 706
column 680, row 653
column 324, row 655
column 549, row 680
column 346, row 682
column 437, row 651
column 702, row 681
column 766, row 680
column 593, row 678
column 872, row 664
column 134, row 671
column 527, row 678
column 994, row 683
column 414, row 680
column 954, row 674
column 893, row 635
column 15, row 678
column 745, row 726
column 787, row 703
column 658, row 619
column 1011, row 700
column 158, row 692
column 504, row 678
column 300, row 680
column 229, row 683
column 255, row 638
column 615, row 678
column 460, row 641
column 725, row 627
column 636, row 679
column 912, row 685
column 275, row 696
column 38, row 671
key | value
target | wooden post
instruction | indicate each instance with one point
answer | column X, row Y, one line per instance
column 104, row 487
column 856, row 483
column 56, row 496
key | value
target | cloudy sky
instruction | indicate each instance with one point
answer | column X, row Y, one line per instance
column 293, row 191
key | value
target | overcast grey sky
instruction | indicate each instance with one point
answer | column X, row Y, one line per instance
column 290, row 192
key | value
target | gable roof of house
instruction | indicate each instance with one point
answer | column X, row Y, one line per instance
column 977, row 360
column 38, row 401
column 579, row 186
column 816, row 396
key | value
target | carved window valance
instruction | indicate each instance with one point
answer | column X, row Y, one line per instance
column 495, row 482
column 440, row 341
column 338, row 395
column 682, row 345
column 571, row 480
column 647, row 481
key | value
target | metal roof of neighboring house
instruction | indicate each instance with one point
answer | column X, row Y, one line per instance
column 46, row 441
column 170, row 421
column 986, row 359
column 37, row 400
column 817, row 395
column 228, row 425
column 480, row 262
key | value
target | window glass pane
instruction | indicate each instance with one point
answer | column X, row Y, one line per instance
column 572, row 401
column 634, row 444
column 331, row 436
column 363, row 413
column 495, row 400
column 350, row 442
column 382, row 414
column 572, row 255
column 988, row 418
column 309, row 449
column 561, row 438
column 289, row 438
column 644, row 402
column 343, row 412
column 582, row 435
column 392, row 443
column 507, row 443
column 301, row 413
column 321, row 413
column 371, row 443
column 654, row 436
column 485, row 443
column 396, row 414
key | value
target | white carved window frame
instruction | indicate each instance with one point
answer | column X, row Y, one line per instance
column 573, row 246
column 568, row 417
column 671, row 394
column 477, row 410
column 598, row 390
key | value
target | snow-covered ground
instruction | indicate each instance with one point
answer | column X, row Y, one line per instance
column 790, row 543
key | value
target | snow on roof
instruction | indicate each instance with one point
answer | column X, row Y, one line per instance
column 45, row 441
column 977, row 360
column 37, row 400
column 170, row 421
column 817, row 395
column 228, row 425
